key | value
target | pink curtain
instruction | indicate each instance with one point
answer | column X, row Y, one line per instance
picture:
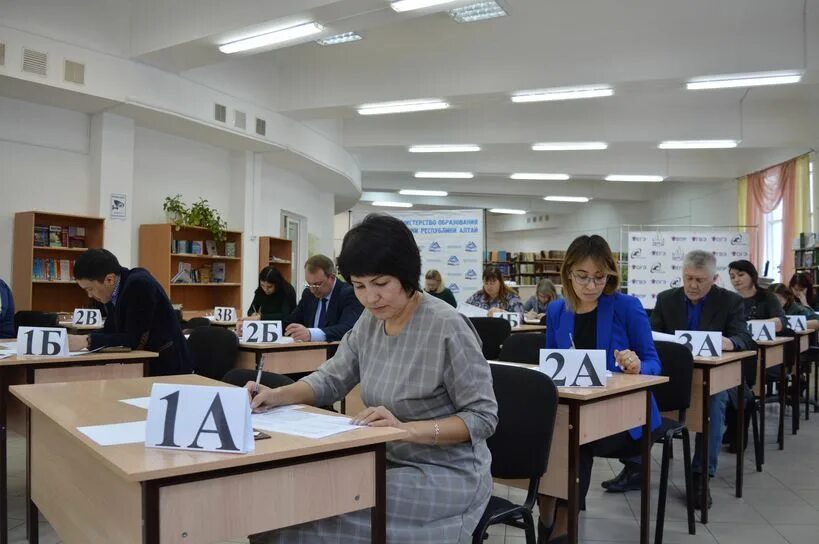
column 765, row 190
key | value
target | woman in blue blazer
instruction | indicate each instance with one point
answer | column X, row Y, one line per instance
column 594, row 315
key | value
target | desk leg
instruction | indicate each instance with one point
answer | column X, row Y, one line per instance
column 573, row 480
column 763, row 386
column 783, row 392
column 378, row 523
column 4, row 489
column 645, row 479
column 796, row 396
column 706, row 432
column 740, row 440
column 32, row 512
column 150, row 512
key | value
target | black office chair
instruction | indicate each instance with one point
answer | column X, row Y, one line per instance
column 196, row 322
column 214, row 351
column 493, row 331
column 674, row 395
column 527, row 406
column 28, row 318
column 523, row 348
column 240, row 377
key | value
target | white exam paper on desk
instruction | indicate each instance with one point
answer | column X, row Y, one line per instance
column 472, row 311
column 115, row 433
column 139, row 402
column 299, row 423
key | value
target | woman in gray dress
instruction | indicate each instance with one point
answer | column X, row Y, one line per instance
column 420, row 367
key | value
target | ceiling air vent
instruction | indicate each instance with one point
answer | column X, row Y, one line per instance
column 239, row 119
column 2, row 54
column 74, row 72
column 261, row 127
column 35, row 62
column 220, row 113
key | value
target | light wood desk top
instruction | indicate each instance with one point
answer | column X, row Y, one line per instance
column 616, row 384
column 725, row 358
column 71, row 325
column 529, row 328
column 96, row 356
column 778, row 341
column 71, row 405
column 272, row 346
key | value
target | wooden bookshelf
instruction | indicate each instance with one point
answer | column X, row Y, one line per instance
column 41, row 294
column 155, row 255
column 281, row 250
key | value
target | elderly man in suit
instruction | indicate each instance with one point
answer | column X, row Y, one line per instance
column 699, row 305
column 328, row 307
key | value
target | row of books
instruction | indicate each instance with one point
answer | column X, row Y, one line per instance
column 198, row 247
column 523, row 256
column 532, row 280
column 58, row 236
column 806, row 240
column 806, row 259
column 53, row 269
column 211, row 273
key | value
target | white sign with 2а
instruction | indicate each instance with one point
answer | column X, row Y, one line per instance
column 223, row 314
column 574, row 367
column 199, row 418
column 262, row 332
column 762, row 330
column 85, row 316
column 512, row 317
column 701, row 343
column 798, row 323
column 50, row 341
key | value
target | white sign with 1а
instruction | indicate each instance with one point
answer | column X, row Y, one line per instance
column 85, row 316
column 262, row 332
column 701, row 343
column 222, row 313
column 512, row 317
column 49, row 341
column 762, row 330
column 574, row 367
column 199, row 418
column 798, row 323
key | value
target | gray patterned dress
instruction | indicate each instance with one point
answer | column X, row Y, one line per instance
column 431, row 370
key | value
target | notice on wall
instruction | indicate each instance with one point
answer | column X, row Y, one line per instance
column 655, row 258
column 118, row 206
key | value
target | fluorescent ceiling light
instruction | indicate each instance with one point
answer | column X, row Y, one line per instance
column 637, row 178
column 410, row 5
column 569, row 146
column 479, row 11
column 455, row 148
column 392, row 204
column 403, row 106
column 543, row 177
column 271, row 38
column 698, row 144
column 562, row 93
column 445, row 175
column 566, row 198
column 419, row 192
column 508, row 211
column 744, row 80
column 346, row 37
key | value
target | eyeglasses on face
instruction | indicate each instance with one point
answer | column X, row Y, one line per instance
column 586, row 280
column 314, row 286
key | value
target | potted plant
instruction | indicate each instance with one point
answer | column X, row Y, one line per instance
column 175, row 210
column 202, row 215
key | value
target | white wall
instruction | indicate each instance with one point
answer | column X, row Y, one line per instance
column 43, row 166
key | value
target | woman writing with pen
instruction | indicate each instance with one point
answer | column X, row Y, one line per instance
column 274, row 299
column 594, row 315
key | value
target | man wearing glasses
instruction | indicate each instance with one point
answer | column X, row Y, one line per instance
column 328, row 307
column 699, row 305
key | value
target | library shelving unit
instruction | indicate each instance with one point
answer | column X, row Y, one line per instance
column 53, row 295
column 278, row 253
column 538, row 269
column 156, row 255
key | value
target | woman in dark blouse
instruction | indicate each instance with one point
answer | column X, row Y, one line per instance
column 434, row 285
column 759, row 303
column 274, row 299
column 787, row 299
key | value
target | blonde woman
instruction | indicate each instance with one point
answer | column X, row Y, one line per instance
column 434, row 285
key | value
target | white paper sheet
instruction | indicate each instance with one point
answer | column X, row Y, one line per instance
column 6, row 353
column 139, row 402
column 9, row 346
column 115, row 433
column 472, row 311
column 663, row 337
column 300, row 423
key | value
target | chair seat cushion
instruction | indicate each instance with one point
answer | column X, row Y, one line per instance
column 668, row 425
column 500, row 507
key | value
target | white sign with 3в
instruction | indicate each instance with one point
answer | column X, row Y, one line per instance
column 224, row 314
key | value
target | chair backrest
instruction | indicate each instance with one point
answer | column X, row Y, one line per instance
column 29, row 318
column 523, row 348
column 196, row 322
column 492, row 332
column 527, row 406
column 214, row 351
column 678, row 366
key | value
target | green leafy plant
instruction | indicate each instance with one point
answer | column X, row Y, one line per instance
column 175, row 210
column 202, row 215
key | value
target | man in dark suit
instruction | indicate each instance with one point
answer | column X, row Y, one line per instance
column 328, row 307
column 699, row 305
column 140, row 315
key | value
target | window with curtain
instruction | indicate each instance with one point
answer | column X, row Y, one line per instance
column 772, row 248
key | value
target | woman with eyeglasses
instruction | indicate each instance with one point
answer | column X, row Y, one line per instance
column 593, row 315
column 495, row 296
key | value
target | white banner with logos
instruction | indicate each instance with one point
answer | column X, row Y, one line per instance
column 655, row 258
column 451, row 242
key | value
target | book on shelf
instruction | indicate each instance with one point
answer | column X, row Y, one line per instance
column 55, row 236
column 204, row 274
column 41, row 236
column 76, row 237
column 183, row 274
column 52, row 269
column 210, row 247
column 196, row 247
column 218, row 273
column 230, row 249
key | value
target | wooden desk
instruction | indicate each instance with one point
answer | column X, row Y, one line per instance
column 79, row 329
column 91, row 493
column 588, row 414
column 771, row 353
column 528, row 328
column 714, row 375
column 285, row 358
column 225, row 324
column 31, row 370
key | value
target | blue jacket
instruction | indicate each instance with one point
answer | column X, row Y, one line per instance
column 622, row 323
column 6, row 311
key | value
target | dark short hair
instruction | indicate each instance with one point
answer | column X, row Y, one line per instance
column 270, row 274
column 381, row 245
column 588, row 247
column 745, row 266
column 320, row 262
column 95, row 264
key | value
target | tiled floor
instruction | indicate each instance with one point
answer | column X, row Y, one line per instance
column 780, row 505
